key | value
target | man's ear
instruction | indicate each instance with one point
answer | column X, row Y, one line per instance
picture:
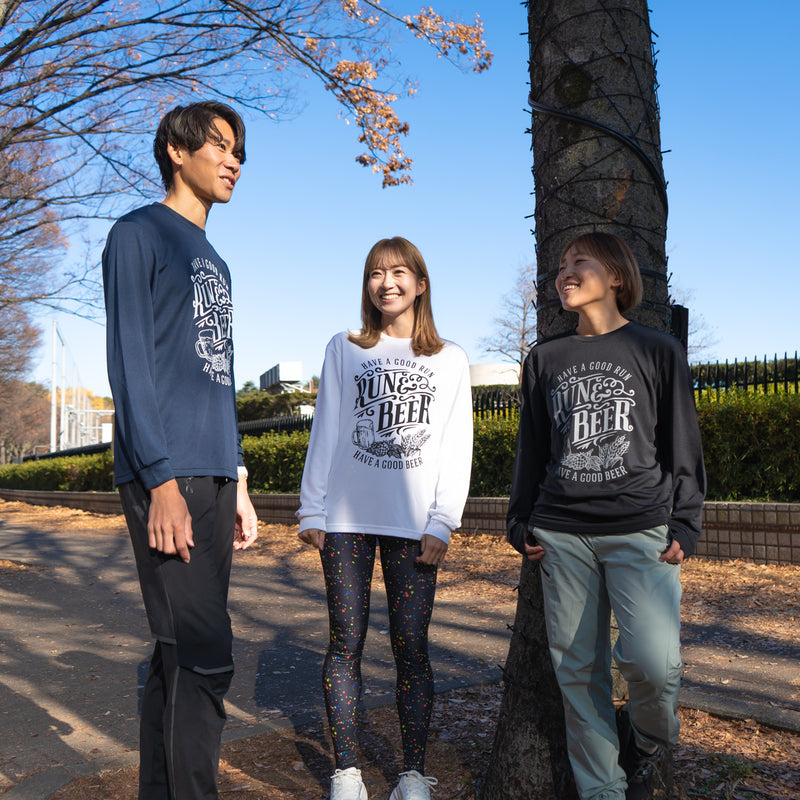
column 175, row 154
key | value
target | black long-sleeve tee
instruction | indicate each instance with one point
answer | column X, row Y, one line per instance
column 608, row 439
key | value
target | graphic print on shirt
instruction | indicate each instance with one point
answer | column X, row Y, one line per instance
column 213, row 317
column 592, row 405
column 392, row 413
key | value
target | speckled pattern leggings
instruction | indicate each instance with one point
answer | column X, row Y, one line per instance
column 347, row 562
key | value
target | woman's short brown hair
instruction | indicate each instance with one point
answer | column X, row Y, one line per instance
column 425, row 340
column 615, row 255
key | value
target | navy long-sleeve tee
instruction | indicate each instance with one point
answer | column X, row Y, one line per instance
column 169, row 349
column 608, row 439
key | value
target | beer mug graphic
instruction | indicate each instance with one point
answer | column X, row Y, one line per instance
column 205, row 345
column 364, row 434
column 218, row 355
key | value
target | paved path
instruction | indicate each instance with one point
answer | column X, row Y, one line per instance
column 74, row 647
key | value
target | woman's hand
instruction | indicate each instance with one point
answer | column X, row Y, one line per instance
column 432, row 550
column 313, row 536
column 534, row 552
column 673, row 554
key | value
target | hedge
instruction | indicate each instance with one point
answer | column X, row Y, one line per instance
column 94, row 473
column 750, row 440
column 275, row 461
column 751, row 444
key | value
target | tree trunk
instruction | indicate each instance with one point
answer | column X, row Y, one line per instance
column 529, row 758
column 597, row 146
column 597, row 167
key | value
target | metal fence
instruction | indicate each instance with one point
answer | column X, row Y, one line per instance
column 495, row 401
column 759, row 374
column 767, row 375
column 284, row 424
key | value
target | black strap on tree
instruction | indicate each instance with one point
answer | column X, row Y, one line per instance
column 661, row 184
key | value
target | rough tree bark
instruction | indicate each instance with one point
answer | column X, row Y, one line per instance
column 597, row 166
column 596, row 143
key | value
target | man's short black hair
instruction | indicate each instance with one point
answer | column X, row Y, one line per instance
column 191, row 127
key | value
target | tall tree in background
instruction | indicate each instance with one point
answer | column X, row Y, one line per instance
column 515, row 329
column 24, row 419
column 19, row 338
column 597, row 166
column 82, row 82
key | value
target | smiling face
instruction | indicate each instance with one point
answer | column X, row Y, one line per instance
column 211, row 172
column 584, row 282
column 393, row 287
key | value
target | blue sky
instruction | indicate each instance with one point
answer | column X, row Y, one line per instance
column 304, row 215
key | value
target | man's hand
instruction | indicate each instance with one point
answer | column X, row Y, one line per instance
column 246, row 529
column 432, row 550
column 313, row 536
column 169, row 524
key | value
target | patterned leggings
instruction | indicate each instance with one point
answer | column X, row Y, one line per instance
column 347, row 563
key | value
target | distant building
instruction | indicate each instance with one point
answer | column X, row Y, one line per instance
column 494, row 374
column 286, row 376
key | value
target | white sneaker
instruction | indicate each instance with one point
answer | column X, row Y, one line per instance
column 413, row 786
column 346, row 784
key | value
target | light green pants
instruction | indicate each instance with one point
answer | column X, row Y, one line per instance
column 584, row 578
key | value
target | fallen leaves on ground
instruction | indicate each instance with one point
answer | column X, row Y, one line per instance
column 716, row 758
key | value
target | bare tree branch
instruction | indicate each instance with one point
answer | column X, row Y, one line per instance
column 515, row 328
column 82, row 81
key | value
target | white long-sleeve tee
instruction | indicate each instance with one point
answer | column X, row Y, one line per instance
column 390, row 451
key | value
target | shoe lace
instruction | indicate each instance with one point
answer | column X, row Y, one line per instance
column 645, row 769
column 346, row 773
column 418, row 787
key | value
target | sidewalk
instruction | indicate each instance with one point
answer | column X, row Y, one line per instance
column 74, row 648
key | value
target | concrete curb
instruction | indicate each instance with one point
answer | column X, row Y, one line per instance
column 783, row 719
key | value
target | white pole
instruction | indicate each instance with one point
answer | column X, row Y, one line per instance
column 53, row 390
column 62, row 439
column 73, row 426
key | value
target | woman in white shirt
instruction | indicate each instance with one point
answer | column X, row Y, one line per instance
column 387, row 468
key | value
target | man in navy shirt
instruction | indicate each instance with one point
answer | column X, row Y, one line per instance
column 177, row 458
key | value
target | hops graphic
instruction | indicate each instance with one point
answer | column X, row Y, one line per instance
column 379, row 449
column 607, row 456
column 575, row 461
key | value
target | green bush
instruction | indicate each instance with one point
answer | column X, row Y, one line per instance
column 254, row 404
column 275, row 461
column 750, row 440
column 750, row 445
column 493, row 456
column 93, row 473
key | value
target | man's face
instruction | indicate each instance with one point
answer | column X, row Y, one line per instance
column 211, row 172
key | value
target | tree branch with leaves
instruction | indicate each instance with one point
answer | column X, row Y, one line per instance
column 82, row 83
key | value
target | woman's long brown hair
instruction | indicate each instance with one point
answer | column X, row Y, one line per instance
column 425, row 340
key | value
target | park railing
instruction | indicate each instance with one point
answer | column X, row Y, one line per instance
column 769, row 376
column 495, row 401
column 282, row 424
